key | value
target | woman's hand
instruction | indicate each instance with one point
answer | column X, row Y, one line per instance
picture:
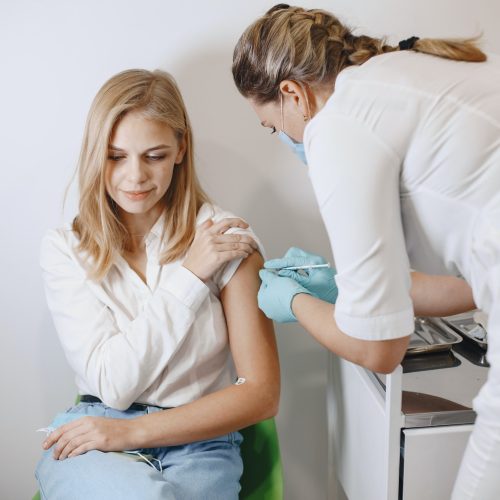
column 211, row 248
column 91, row 433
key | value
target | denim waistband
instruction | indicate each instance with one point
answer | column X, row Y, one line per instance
column 87, row 398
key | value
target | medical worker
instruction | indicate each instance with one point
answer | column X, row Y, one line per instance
column 402, row 145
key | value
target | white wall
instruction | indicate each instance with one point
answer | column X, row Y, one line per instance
column 54, row 56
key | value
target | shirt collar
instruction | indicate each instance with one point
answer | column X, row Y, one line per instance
column 157, row 230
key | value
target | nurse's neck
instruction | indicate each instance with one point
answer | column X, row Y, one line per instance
column 318, row 97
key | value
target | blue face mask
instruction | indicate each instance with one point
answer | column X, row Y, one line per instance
column 297, row 147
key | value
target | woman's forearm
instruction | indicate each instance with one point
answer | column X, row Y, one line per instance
column 317, row 317
column 440, row 295
column 216, row 414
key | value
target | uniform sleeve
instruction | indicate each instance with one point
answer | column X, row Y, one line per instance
column 117, row 365
column 356, row 180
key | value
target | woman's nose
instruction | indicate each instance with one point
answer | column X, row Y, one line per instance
column 136, row 171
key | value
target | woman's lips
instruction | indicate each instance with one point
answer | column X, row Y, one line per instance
column 137, row 195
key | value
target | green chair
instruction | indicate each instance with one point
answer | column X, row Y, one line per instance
column 262, row 477
column 262, row 474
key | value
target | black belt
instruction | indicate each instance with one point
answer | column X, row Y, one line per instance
column 87, row 398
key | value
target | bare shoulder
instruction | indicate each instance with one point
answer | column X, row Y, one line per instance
column 247, row 273
column 241, row 291
column 252, row 264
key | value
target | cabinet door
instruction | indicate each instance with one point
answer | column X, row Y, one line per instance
column 432, row 457
column 364, row 430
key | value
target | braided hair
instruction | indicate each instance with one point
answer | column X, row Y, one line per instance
column 312, row 46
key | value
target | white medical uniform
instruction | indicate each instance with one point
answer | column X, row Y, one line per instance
column 163, row 343
column 405, row 163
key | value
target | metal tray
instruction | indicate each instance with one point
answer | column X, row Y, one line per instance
column 431, row 335
column 466, row 325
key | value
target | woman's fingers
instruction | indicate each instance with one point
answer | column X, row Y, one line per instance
column 70, row 446
column 55, row 435
column 236, row 238
column 226, row 224
column 52, row 438
column 83, row 448
column 213, row 246
column 236, row 254
column 68, row 441
column 90, row 433
column 235, row 246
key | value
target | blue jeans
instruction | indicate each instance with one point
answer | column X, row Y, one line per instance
column 203, row 470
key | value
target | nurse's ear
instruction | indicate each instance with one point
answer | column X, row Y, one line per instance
column 299, row 95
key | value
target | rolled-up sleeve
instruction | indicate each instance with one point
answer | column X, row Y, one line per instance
column 356, row 180
column 222, row 277
column 117, row 365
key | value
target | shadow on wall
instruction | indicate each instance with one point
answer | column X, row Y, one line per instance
column 57, row 377
column 242, row 167
column 251, row 173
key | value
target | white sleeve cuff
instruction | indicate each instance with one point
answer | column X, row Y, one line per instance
column 385, row 327
column 224, row 275
column 186, row 287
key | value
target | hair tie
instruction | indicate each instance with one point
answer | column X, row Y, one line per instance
column 408, row 43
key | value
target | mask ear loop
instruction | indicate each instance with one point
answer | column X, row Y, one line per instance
column 281, row 110
column 308, row 117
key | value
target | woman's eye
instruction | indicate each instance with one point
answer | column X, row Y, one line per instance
column 273, row 130
column 156, row 157
column 115, row 157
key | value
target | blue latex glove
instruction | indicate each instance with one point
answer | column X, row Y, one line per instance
column 276, row 294
column 320, row 282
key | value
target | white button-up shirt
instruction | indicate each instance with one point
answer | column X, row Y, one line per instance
column 163, row 343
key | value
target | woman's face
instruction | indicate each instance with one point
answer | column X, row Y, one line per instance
column 142, row 154
column 291, row 121
column 296, row 105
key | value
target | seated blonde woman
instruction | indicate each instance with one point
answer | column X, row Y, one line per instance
column 153, row 292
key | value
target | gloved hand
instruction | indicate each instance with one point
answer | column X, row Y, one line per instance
column 276, row 294
column 320, row 281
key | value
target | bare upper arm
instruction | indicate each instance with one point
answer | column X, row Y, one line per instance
column 251, row 334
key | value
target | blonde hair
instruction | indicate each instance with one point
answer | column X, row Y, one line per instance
column 102, row 235
column 312, row 46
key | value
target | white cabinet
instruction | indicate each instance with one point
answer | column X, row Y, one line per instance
column 363, row 427
column 374, row 445
column 431, row 458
